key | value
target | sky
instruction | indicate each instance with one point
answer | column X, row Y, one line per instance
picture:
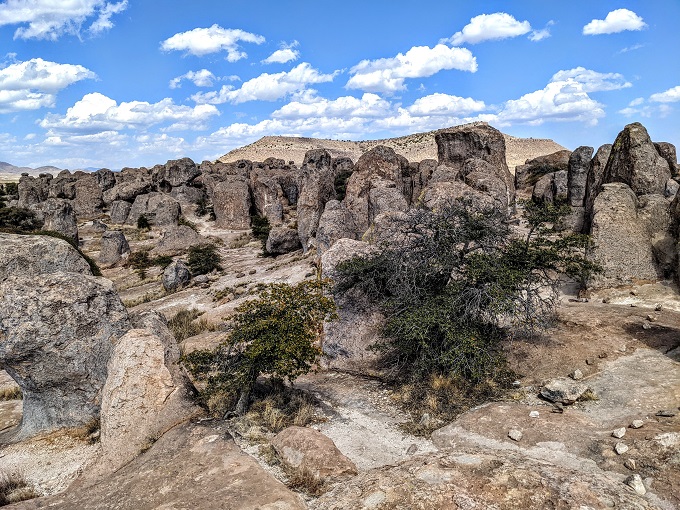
column 98, row 83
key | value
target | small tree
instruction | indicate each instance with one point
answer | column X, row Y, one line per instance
column 273, row 335
column 204, row 259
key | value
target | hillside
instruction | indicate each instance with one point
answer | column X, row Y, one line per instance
column 9, row 172
column 414, row 147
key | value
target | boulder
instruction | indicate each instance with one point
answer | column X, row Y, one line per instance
column 33, row 190
column 88, row 201
column 316, row 183
column 178, row 240
column 594, row 182
column 56, row 336
column 58, row 215
column 307, row 451
column 174, row 173
column 563, row 391
column 672, row 188
column 231, row 202
column 441, row 194
column 667, row 151
column 120, row 210
column 29, row 256
column 160, row 209
column 146, row 392
column 543, row 192
column 346, row 341
column 175, row 276
column 528, row 174
column 577, row 175
column 421, row 179
column 99, row 226
column 335, row 223
column 483, row 176
column 130, row 182
column 635, row 161
column 273, row 189
column 63, row 186
column 188, row 194
column 105, row 178
column 282, row 240
column 114, row 247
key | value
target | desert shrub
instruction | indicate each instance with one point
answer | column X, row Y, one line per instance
column 340, row 184
column 274, row 335
column 204, row 259
column 10, row 188
column 183, row 221
column 184, row 325
column 17, row 220
column 14, row 488
column 140, row 261
column 143, row 223
column 457, row 281
column 203, row 208
column 11, row 393
column 260, row 227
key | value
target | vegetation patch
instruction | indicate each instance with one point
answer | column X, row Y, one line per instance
column 11, row 393
column 340, row 184
column 143, row 223
column 183, row 221
column 204, row 259
column 14, row 488
column 261, row 227
column 140, row 261
column 184, row 324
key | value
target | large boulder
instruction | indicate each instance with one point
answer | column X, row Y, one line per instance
column 105, row 178
column 336, row 222
column 114, row 247
column 28, row 256
column 174, row 173
column 635, row 161
column 88, row 201
column 440, row 194
column 310, row 452
column 577, row 175
column 667, row 151
column 58, row 215
column 543, row 192
column 421, row 179
column 282, row 240
column 56, row 335
column 33, row 190
column 160, row 209
column 594, row 182
column 120, row 210
column 146, row 392
column 178, row 240
column 175, row 276
column 528, row 174
column 130, row 182
column 274, row 187
column 231, row 202
column 316, row 183
column 487, row 178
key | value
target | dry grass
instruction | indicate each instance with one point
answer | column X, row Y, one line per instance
column 88, row 432
column 281, row 406
column 184, row 324
column 11, row 393
column 241, row 241
column 14, row 488
column 149, row 296
column 306, row 481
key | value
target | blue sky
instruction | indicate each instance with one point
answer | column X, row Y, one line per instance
column 90, row 83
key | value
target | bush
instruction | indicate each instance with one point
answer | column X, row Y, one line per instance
column 140, row 261
column 204, row 259
column 340, row 185
column 14, row 488
column 273, row 335
column 143, row 223
column 184, row 325
column 18, row 220
column 260, row 227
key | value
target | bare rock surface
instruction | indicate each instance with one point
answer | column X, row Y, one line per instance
column 231, row 200
column 191, row 466
column 59, row 216
column 114, row 247
column 177, row 240
column 176, row 276
column 33, row 255
column 527, row 174
column 316, row 184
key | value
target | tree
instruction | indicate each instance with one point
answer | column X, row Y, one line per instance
column 204, row 259
column 455, row 281
column 273, row 335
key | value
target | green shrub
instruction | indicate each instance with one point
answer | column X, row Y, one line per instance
column 204, row 259
column 340, row 184
column 183, row 221
column 12, row 188
column 17, row 220
column 260, row 227
column 143, row 223
column 273, row 335
column 140, row 261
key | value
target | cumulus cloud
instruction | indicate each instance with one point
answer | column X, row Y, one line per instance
column 616, row 21
column 592, row 81
column 388, row 74
column 96, row 112
column 445, row 104
column 266, row 87
column 202, row 78
column 669, row 96
column 203, row 41
column 544, row 33
column 368, row 106
column 486, row 27
column 47, row 19
column 287, row 53
column 33, row 84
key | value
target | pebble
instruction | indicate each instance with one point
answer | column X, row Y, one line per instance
column 637, row 424
column 619, row 433
column 602, row 355
column 666, row 413
column 633, row 292
column 658, row 307
column 516, row 384
column 646, row 325
column 533, row 414
column 252, row 271
column 590, row 361
column 651, row 318
column 635, row 482
column 576, row 375
column 240, row 275
column 620, row 448
column 633, row 305
column 412, row 449
column 630, row 464
column 606, row 300
column 515, row 434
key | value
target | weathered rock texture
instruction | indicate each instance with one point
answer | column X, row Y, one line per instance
column 59, row 216
column 231, row 201
column 282, row 240
column 528, row 174
column 316, row 184
column 175, row 276
column 114, row 247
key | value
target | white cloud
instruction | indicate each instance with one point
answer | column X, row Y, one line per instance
column 33, row 84
column 669, row 96
column 539, row 35
column 96, row 112
column 486, row 27
column 203, row 41
column 286, row 53
column 202, row 78
column 631, row 48
column 445, row 104
column 388, row 74
column 369, row 106
column 592, row 81
column 50, row 19
column 637, row 101
column 267, row 87
column 616, row 21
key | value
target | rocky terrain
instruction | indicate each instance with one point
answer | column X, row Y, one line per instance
column 109, row 418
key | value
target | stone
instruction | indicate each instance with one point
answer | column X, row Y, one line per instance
column 88, row 201
column 485, row 177
column 527, row 175
column 282, row 240
column 99, row 226
column 316, row 182
column 667, row 151
column 666, row 413
column 515, row 435
column 306, row 450
column 120, row 210
column 576, row 375
column 130, row 182
column 563, row 391
column 174, row 173
column 594, row 182
column 268, row 185
column 635, row 482
column 33, row 190
column 336, row 222
column 440, row 194
column 658, row 307
column 630, row 464
column 543, row 192
column 577, row 175
column 231, row 202
column 177, row 240
column 672, row 188
column 175, row 276
column 635, row 161
column 106, row 179
column 534, row 414
column 619, row 433
column 637, row 424
column 30, row 255
column 114, row 248
column 58, row 215
column 146, row 391
column 159, row 209
column 56, row 337
column 620, row 448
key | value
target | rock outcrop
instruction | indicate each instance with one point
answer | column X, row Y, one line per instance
column 336, row 222
column 120, row 210
column 114, row 248
column 316, row 184
column 231, row 201
column 528, row 174
column 59, row 216
column 177, row 240
column 159, row 209
column 175, row 276
column 282, row 240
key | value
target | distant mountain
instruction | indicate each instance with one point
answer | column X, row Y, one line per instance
column 414, row 147
column 7, row 168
